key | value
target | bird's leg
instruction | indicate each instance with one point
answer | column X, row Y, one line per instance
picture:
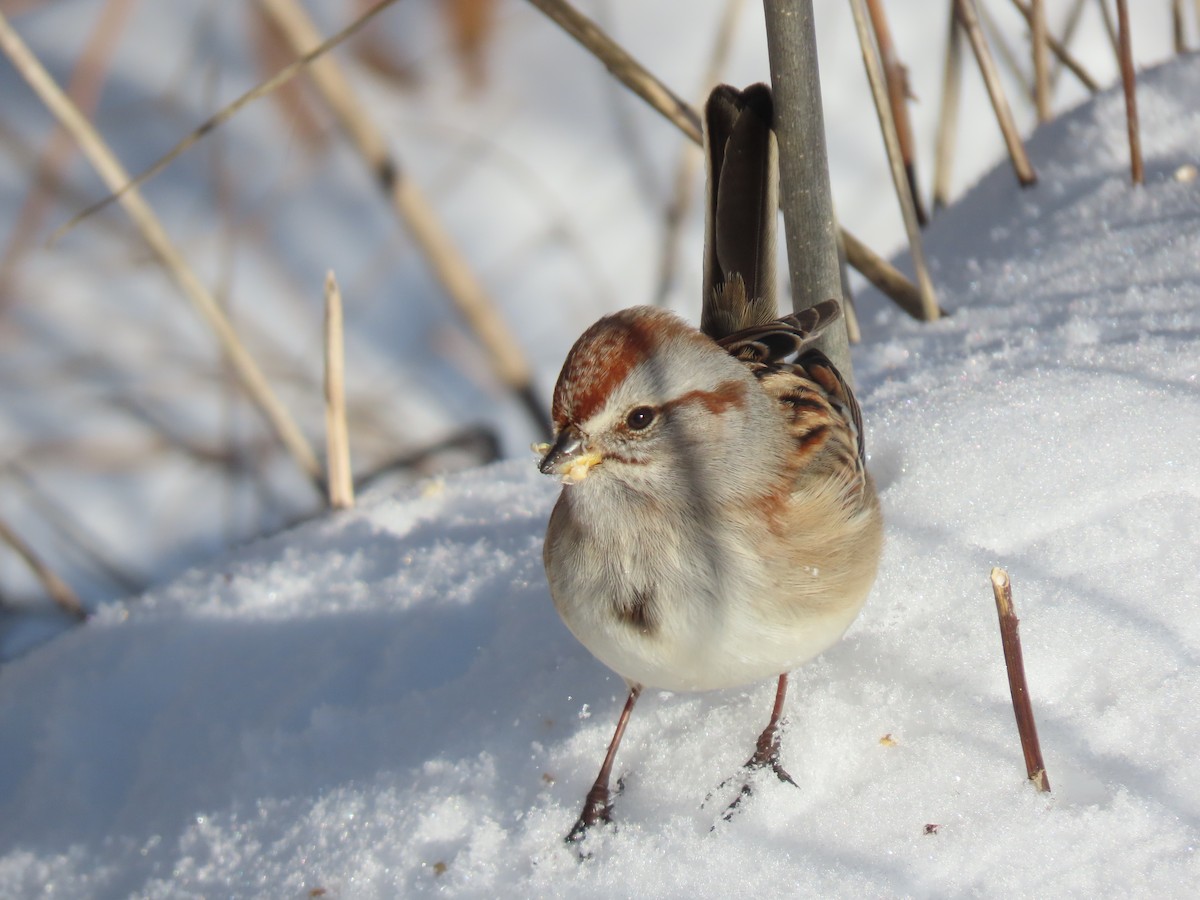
column 766, row 753
column 597, row 807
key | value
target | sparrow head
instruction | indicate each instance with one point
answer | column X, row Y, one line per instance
column 639, row 395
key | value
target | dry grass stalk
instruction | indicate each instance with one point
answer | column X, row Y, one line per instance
column 448, row 264
column 280, row 78
column 947, row 130
column 896, row 76
column 850, row 311
column 1110, row 27
column 886, row 278
column 1041, row 68
column 65, row 521
column 1179, row 24
column 1018, row 688
column 293, row 99
column 969, row 18
column 997, row 38
column 60, row 592
column 115, row 177
column 471, row 24
column 337, row 434
column 1061, row 53
column 635, row 77
column 627, row 70
column 87, row 78
column 1128, row 81
column 1074, row 14
column 379, row 53
column 891, row 140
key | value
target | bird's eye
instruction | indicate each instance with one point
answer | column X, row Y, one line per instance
column 640, row 418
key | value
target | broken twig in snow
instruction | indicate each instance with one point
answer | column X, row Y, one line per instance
column 1015, row 663
column 1129, row 82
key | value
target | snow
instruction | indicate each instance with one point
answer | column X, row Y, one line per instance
column 382, row 702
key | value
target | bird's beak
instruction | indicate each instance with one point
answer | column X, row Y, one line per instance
column 569, row 456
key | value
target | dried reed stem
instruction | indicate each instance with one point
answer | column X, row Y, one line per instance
column 70, row 529
column 1060, row 51
column 886, row 278
column 898, row 93
column 1128, row 81
column 969, row 18
column 87, row 78
column 627, row 70
column 60, row 592
column 1110, row 27
column 635, row 77
column 1010, row 639
column 337, row 434
column 448, row 263
column 850, row 311
column 1041, row 68
column 947, row 131
column 1177, row 29
column 280, row 78
column 891, row 140
column 1074, row 14
column 115, row 176
column 996, row 37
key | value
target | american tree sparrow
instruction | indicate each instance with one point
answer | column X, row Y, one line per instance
column 718, row 525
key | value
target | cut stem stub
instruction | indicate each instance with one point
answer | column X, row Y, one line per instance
column 1011, row 641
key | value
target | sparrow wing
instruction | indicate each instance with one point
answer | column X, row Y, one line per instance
column 824, row 420
column 777, row 340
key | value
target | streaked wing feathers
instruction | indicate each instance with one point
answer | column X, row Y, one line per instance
column 824, row 419
column 781, row 338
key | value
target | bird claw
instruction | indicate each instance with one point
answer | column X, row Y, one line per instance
column 766, row 757
column 769, row 760
column 592, row 815
column 597, row 810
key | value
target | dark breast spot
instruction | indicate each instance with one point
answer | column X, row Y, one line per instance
column 639, row 611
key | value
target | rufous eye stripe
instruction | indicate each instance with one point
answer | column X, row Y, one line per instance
column 727, row 394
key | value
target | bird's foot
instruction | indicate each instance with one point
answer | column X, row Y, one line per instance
column 597, row 810
column 766, row 756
